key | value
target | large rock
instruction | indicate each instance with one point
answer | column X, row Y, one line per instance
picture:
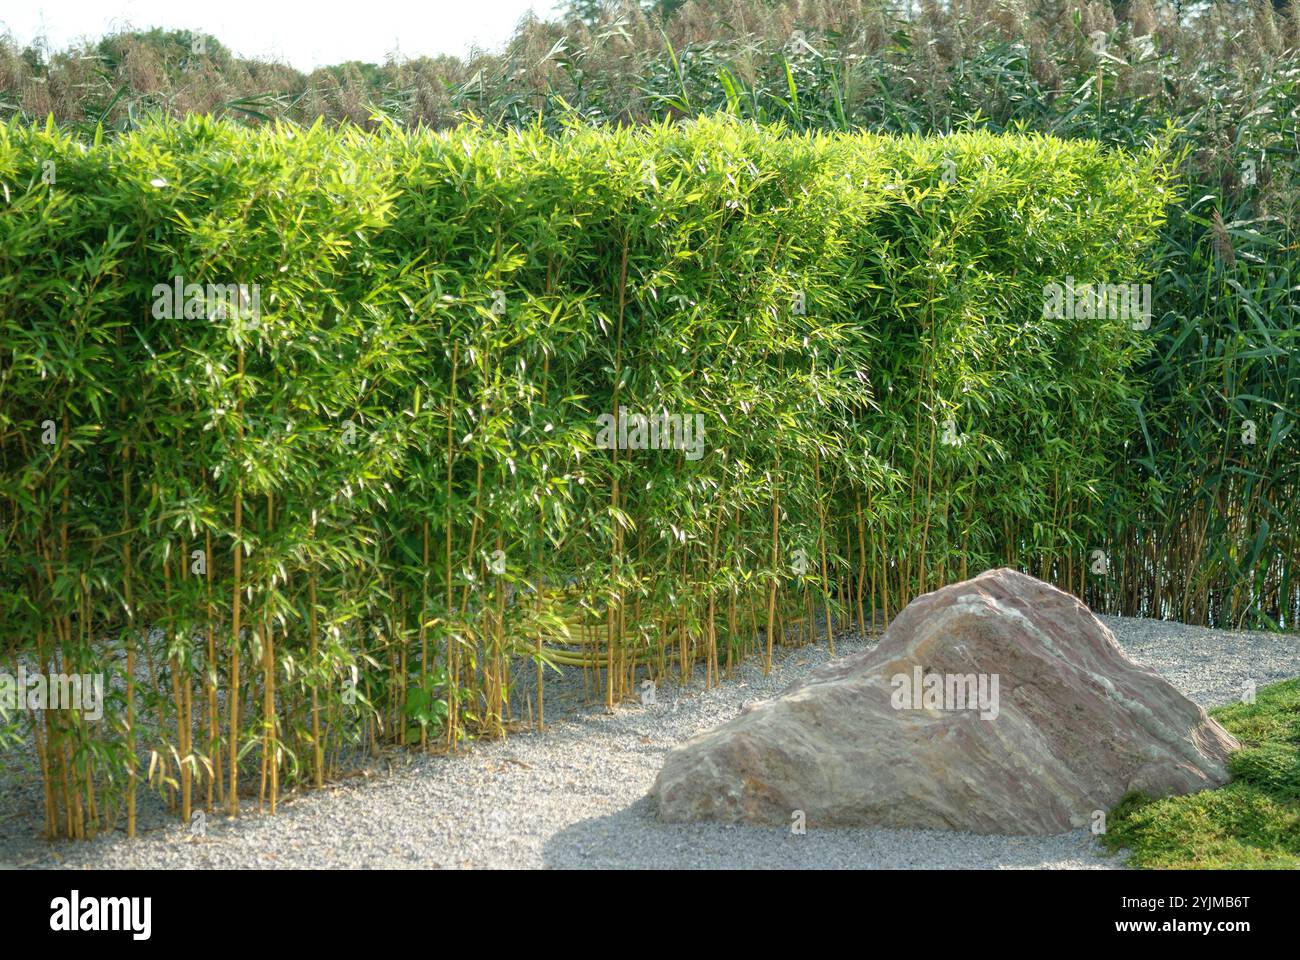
column 1064, row 724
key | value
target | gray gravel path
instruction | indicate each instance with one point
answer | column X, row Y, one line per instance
column 575, row 797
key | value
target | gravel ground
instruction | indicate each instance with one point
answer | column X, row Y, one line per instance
column 575, row 797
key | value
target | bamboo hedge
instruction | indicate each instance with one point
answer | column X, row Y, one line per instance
column 316, row 440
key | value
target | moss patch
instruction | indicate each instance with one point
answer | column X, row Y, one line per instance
column 1252, row 822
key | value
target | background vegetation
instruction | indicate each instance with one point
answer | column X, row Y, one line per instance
column 1214, row 539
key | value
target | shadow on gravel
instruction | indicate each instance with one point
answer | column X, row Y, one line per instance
column 633, row 839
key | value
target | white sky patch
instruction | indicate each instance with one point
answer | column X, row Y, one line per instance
column 302, row 33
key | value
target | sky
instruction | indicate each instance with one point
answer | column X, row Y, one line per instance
column 303, row 33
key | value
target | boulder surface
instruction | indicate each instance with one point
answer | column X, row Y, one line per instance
column 995, row 705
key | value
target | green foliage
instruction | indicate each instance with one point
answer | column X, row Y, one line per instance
column 1214, row 537
column 402, row 449
column 1253, row 822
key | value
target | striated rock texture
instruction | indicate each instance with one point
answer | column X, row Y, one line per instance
column 997, row 705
